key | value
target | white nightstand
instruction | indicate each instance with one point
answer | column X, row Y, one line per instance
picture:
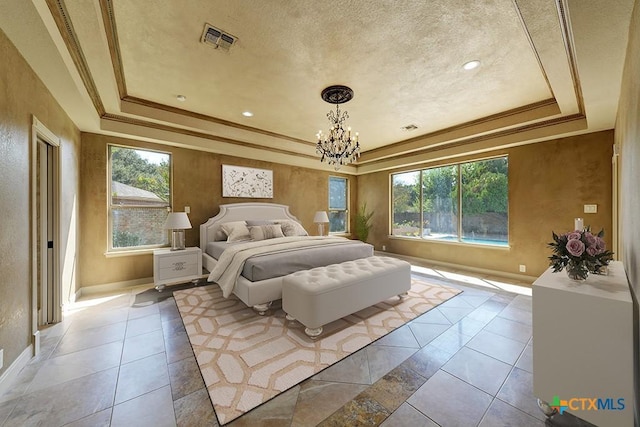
column 176, row 266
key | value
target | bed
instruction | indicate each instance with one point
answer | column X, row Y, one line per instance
column 257, row 280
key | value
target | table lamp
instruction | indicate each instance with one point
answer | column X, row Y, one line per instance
column 321, row 218
column 177, row 222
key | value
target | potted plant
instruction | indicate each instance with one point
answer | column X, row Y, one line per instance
column 363, row 222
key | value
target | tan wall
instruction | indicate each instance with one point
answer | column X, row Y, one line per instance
column 23, row 95
column 628, row 140
column 548, row 184
column 197, row 182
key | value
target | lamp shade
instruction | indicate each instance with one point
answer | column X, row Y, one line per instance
column 177, row 221
column 320, row 216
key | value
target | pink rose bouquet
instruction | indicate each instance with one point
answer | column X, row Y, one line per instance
column 580, row 252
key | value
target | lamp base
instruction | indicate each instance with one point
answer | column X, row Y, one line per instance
column 177, row 240
column 320, row 229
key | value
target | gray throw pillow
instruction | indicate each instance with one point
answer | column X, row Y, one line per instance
column 264, row 232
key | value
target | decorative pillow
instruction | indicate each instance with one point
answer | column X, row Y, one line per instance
column 236, row 231
column 254, row 222
column 218, row 234
column 263, row 232
column 291, row 228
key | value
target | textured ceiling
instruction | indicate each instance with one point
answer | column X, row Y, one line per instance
column 548, row 68
column 405, row 67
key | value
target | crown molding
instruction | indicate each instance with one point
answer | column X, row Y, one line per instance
column 484, row 132
column 65, row 27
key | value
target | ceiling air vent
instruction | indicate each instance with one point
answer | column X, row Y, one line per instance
column 217, row 38
column 409, row 127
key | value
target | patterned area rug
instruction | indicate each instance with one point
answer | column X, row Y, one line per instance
column 247, row 359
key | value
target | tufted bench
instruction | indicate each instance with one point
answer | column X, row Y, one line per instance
column 323, row 294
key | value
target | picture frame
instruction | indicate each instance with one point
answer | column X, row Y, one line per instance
column 239, row 181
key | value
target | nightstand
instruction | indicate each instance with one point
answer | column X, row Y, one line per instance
column 176, row 266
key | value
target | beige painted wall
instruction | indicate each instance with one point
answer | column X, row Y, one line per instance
column 628, row 140
column 548, row 184
column 197, row 182
column 23, row 95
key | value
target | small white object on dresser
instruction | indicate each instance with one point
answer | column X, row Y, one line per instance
column 176, row 266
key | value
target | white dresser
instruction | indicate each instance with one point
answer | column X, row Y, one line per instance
column 583, row 344
column 176, row 266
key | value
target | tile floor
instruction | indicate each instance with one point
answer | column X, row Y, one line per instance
column 125, row 360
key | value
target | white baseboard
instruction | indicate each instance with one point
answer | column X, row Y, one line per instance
column 7, row 379
column 112, row 287
column 429, row 262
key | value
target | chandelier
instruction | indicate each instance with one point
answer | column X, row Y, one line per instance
column 339, row 147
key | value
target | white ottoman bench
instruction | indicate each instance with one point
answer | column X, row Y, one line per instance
column 323, row 294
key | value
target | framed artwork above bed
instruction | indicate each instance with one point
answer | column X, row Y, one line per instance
column 238, row 181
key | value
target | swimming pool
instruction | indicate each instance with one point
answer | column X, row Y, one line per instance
column 473, row 241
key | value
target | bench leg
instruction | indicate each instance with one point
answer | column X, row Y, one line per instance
column 313, row 333
column 262, row 308
column 290, row 317
column 403, row 295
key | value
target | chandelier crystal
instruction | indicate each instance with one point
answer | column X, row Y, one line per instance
column 340, row 146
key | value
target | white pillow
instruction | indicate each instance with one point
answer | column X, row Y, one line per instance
column 263, row 232
column 236, row 231
column 291, row 228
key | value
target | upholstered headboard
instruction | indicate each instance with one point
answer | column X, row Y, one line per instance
column 210, row 230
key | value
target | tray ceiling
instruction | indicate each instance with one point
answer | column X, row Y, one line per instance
column 538, row 77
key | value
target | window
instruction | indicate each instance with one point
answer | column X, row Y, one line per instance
column 440, row 202
column 338, row 202
column 485, row 194
column 467, row 203
column 406, row 204
column 140, row 197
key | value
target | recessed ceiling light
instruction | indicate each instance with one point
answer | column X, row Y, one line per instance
column 181, row 98
column 471, row 65
column 247, row 113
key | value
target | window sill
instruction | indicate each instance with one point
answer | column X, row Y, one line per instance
column 132, row 252
column 449, row 242
column 347, row 235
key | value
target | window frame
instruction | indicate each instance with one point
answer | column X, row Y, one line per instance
column 460, row 239
column 140, row 249
column 347, row 190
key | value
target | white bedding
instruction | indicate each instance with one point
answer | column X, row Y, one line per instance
column 231, row 263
